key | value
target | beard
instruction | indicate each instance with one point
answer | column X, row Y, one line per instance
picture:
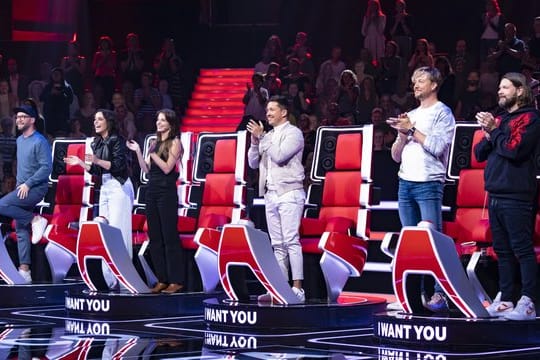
column 508, row 102
column 24, row 127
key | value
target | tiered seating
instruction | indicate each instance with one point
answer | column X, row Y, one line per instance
column 73, row 203
column 340, row 231
column 216, row 103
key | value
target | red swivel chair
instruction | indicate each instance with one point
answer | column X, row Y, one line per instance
column 470, row 228
column 223, row 202
column 73, row 204
column 340, row 231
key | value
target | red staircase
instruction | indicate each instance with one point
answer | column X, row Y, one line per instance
column 216, row 102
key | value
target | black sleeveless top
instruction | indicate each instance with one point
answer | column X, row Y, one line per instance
column 158, row 179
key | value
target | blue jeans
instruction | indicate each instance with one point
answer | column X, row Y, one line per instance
column 22, row 211
column 512, row 223
column 421, row 201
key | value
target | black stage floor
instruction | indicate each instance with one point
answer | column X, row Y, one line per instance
column 46, row 333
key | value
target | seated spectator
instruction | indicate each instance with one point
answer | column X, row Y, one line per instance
column 18, row 82
column 421, row 56
column 377, row 116
column 104, row 67
column 383, row 165
column 272, row 82
column 162, row 61
column 298, row 104
column 367, row 100
column 349, row 92
column 177, row 87
column 306, row 64
column 128, row 92
column 462, row 54
column 57, row 98
column 328, row 96
column 447, row 89
column 255, row 98
column 308, row 125
column 131, row 60
column 7, row 100
column 300, row 46
column 401, row 28
column 373, row 26
column 147, row 101
column 75, row 130
column 74, row 67
column 509, row 52
column 166, row 101
column 293, row 74
column 364, row 66
column 388, row 106
column 378, row 135
column 391, row 66
column 534, row 43
column 85, row 114
column 275, row 49
column 8, row 145
column 489, row 78
column 493, row 28
column 331, row 68
column 404, row 98
column 469, row 104
column 35, row 88
column 125, row 123
column 264, row 63
column 8, row 185
column 534, row 84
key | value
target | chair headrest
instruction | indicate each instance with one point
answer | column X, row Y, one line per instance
column 225, row 156
column 348, row 152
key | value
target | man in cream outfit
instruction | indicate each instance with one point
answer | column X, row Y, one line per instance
column 278, row 155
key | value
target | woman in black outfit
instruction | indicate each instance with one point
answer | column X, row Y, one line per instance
column 162, row 202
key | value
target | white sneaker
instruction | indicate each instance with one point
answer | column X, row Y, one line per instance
column 524, row 310
column 26, row 276
column 264, row 298
column 39, row 223
column 498, row 307
column 300, row 294
column 394, row 306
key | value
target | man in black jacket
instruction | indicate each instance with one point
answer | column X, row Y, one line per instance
column 510, row 147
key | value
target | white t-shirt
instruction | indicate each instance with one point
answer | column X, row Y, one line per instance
column 428, row 162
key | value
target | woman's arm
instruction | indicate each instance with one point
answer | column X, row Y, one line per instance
column 143, row 163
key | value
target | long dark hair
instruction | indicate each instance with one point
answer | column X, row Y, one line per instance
column 110, row 117
column 163, row 146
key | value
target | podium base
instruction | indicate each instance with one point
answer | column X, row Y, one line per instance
column 453, row 331
column 37, row 294
column 268, row 318
column 118, row 305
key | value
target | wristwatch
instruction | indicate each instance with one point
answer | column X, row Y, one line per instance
column 410, row 133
